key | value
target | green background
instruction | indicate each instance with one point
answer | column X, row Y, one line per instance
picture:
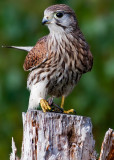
column 20, row 24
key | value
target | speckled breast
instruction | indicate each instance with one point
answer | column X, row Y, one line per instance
column 63, row 83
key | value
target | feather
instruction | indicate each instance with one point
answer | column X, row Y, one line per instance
column 37, row 55
column 24, row 48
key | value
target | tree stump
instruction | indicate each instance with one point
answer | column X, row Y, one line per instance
column 56, row 136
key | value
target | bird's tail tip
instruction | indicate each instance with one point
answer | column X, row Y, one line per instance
column 4, row 46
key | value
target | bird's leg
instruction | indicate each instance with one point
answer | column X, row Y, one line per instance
column 62, row 101
column 62, row 105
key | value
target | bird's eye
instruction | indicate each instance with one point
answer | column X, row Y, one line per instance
column 59, row 14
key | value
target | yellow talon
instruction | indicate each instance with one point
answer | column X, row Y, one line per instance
column 69, row 111
column 44, row 105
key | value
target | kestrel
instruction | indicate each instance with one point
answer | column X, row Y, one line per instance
column 58, row 60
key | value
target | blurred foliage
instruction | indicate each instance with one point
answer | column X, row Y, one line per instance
column 20, row 24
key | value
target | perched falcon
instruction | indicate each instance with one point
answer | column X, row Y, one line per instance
column 58, row 60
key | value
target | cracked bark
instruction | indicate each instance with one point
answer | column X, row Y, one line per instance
column 55, row 136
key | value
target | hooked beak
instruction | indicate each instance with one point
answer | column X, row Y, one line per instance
column 45, row 20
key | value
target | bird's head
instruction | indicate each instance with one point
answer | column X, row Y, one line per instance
column 60, row 18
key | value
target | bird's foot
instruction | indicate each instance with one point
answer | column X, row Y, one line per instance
column 70, row 111
column 44, row 105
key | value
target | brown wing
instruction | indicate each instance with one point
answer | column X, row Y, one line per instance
column 85, row 58
column 37, row 55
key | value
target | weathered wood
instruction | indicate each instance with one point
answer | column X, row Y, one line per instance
column 14, row 150
column 55, row 136
column 107, row 149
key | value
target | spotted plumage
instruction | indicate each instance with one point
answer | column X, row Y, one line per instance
column 58, row 60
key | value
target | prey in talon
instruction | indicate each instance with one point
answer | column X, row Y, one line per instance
column 58, row 60
column 54, row 107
